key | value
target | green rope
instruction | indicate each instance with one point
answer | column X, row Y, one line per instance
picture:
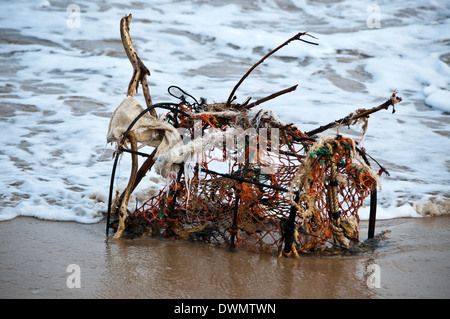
column 322, row 151
column 160, row 212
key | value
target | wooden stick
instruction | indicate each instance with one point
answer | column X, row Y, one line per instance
column 394, row 99
column 145, row 167
column 270, row 97
column 140, row 71
column 148, row 99
column 295, row 37
column 126, row 197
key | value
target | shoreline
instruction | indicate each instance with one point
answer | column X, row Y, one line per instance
column 35, row 255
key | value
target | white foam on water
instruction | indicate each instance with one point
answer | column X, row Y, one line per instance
column 437, row 98
column 59, row 85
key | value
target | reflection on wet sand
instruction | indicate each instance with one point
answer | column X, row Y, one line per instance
column 172, row 269
column 35, row 254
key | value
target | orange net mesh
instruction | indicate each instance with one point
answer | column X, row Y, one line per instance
column 303, row 197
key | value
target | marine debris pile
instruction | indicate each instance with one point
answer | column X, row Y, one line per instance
column 238, row 175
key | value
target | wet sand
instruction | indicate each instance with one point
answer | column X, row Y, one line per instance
column 34, row 255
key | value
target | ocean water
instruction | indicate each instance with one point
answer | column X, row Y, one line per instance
column 64, row 71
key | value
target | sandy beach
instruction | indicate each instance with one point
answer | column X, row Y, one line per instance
column 413, row 262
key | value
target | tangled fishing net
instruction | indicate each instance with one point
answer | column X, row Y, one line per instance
column 240, row 177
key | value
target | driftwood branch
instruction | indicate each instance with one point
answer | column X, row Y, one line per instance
column 270, row 97
column 140, row 71
column 349, row 119
column 145, row 167
column 295, row 37
column 126, row 196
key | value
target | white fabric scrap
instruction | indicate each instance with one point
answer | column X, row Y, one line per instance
column 148, row 130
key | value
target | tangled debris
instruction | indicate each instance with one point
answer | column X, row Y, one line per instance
column 285, row 192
